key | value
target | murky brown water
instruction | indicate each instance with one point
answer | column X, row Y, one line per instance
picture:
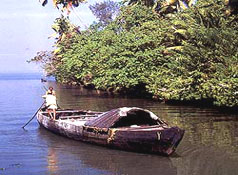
column 209, row 147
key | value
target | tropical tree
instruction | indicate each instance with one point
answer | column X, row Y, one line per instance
column 66, row 4
column 187, row 56
column 169, row 6
column 105, row 11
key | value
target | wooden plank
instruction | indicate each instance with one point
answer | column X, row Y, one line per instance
column 76, row 116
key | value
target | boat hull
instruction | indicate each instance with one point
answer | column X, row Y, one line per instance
column 159, row 139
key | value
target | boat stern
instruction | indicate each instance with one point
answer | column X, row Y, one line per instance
column 169, row 139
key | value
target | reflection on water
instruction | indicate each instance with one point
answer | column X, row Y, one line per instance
column 210, row 144
column 209, row 147
column 52, row 161
column 209, row 129
column 99, row 160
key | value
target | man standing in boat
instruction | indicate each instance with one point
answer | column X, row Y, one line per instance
column 50, row 99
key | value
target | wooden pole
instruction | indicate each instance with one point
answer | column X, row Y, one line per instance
column 33, row 115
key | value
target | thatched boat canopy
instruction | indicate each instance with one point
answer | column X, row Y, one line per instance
column 124, row 117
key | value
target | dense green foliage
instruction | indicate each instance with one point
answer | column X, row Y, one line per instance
column 191, row 55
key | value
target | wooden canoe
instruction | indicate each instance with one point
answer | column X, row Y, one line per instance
column 132, row 129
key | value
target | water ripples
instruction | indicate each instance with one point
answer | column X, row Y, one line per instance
column 211, row 137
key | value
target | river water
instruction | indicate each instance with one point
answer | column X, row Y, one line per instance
column 209, row 147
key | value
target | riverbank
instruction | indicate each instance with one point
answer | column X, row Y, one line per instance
column 186, row 56
column 91, row 91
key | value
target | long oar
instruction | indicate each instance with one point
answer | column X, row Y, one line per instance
column 33, row 115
